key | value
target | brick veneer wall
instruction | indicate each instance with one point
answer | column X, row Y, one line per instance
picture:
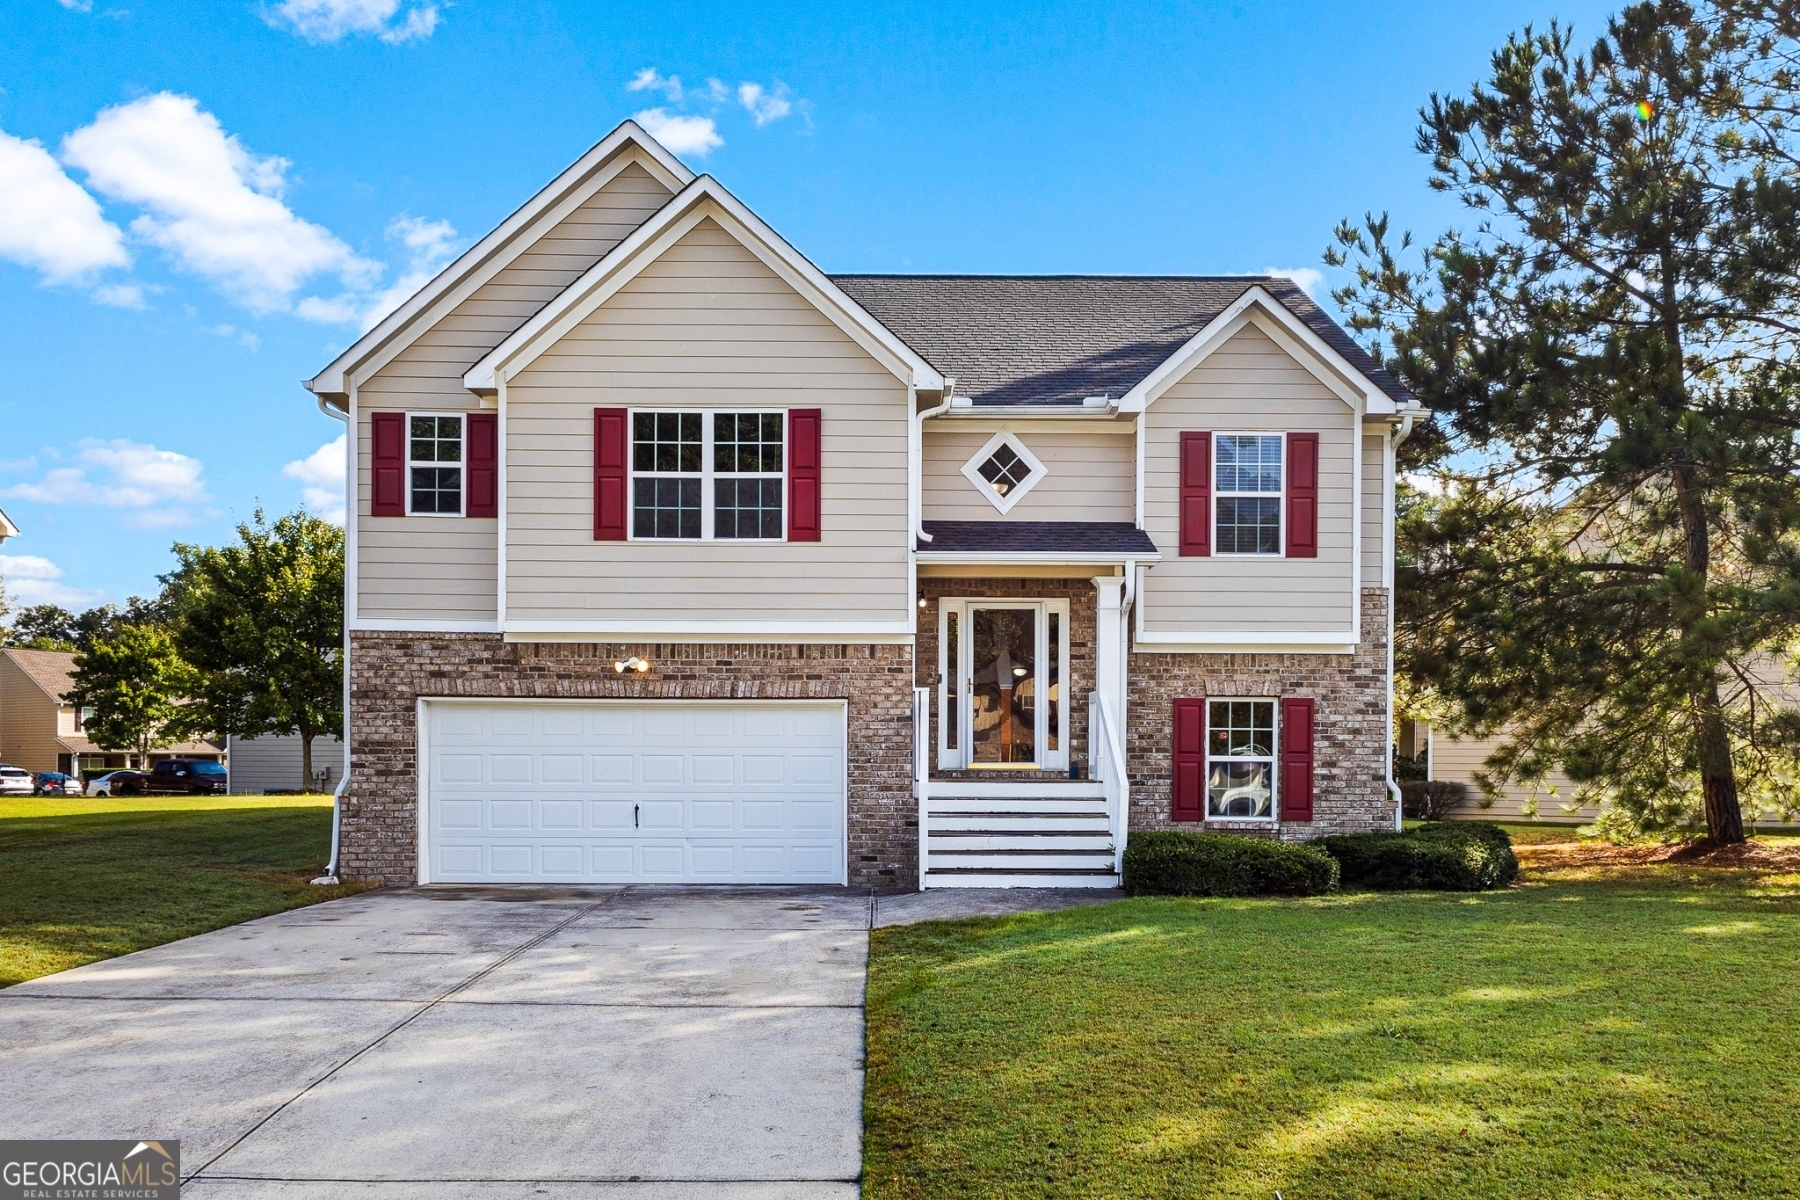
column 1350, row 737
column 390, row 671
column 1079, row 677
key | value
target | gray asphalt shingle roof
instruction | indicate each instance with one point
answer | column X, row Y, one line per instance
column 1056, row 339
column 1037, row 537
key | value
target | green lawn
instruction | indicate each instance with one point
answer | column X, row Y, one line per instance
column 1612, row 1033
column 82, row 880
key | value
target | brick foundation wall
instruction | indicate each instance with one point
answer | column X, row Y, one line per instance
column 390, row 671
column 1079, row 673
column 1350, row 735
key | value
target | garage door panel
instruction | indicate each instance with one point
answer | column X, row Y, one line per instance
column 615, row 792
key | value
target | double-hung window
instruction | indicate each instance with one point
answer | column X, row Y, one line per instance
column 1247, row 493
column 434, row 461
column 1240, row 759
column 708, row 475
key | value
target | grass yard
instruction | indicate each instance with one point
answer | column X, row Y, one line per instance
column 1606, row 1029
column 82, row 880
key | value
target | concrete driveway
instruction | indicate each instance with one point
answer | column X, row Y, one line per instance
column 649, row 1043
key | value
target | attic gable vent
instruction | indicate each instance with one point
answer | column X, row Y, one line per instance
column 1004, row 470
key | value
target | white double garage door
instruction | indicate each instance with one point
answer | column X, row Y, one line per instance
column 632, row 791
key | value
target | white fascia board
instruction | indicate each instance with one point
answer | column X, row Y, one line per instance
column 421, row 625
column 1033, row 558
column 884, row 632
column 499, row 247
column 1270, row 642
column 1368, row 398
column 704, row 197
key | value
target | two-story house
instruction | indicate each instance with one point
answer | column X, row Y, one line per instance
column 673, row 558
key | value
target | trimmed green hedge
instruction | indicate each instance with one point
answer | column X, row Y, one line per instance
column 1448, row 856
column 1175, row 862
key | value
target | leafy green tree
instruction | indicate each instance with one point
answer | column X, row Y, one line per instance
column 135, row 685
column 1610, row 356
column 262, row 623
column 43, row 627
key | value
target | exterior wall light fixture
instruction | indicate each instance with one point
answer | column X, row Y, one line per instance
column 634, row 663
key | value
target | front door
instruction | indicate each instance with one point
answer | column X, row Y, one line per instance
column 1009, row 660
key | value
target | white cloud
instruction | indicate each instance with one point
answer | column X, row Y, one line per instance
column 213, row 205
column 331, row 20
column 31, row 579
column 765, row 106
column 47, row 222
column 698, row 136
column 77, row 5
column 242, row 337
column 649, row 80
column 1307, row 279
column 133, row 475
column 120, row 295
column 429, row 245
column 321, row 475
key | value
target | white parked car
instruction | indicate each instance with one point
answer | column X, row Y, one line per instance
column 16, row 781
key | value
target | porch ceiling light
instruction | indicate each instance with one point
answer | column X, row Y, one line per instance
column 634, row 664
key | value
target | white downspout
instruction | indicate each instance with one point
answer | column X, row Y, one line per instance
column 337, row 794
column 919, row 420
column 1387, row 755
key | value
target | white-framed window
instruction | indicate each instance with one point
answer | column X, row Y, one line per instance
column 1004, row 470
column 434, row 464
column 701, row 474
column 1247, row 493
column 1240, row 760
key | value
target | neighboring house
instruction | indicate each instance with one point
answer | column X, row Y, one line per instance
column 7, row 528
column 1459, row 758
column 272, row 763
column 40, row 731
column 673, row 558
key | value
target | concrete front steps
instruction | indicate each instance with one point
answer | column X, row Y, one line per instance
column 1018, row 835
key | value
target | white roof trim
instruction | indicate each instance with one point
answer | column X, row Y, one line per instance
column 1034, row 557
column 1218, row 331
column 499, row 248
column 704, row 197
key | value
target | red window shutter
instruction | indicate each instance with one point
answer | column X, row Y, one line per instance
column 1303, row 495
column 387, row 465
column 1189, row 773
column 482, row 432
column 1196, row 495
column 805, row 426
column 1297, row 758
column 611, row 451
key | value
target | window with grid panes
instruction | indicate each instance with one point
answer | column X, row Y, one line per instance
column 1240, row 759
column 434, row 463
column 1247, row 493
column 736, row 458
column 747, row 475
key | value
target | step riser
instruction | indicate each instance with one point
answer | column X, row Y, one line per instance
column 1094, row 842
column 1030, row 790
column 1006, row 824
column 1036, row 862
column 939, row 804
column 1021, row 881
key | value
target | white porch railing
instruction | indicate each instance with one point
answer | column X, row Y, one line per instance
column 1106, row 758
column 922, row 773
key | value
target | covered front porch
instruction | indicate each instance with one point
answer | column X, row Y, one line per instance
column 1020, row 701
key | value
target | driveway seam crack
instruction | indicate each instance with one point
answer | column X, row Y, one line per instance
column 539, row 939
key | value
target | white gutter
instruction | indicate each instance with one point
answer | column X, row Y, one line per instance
column 337, row 795
column 920, row 418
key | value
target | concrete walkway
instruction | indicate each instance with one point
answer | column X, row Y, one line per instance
column 637, row 1042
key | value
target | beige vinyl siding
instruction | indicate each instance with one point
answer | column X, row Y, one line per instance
column 1089, row 476
column 1458, row 759
column 708, row 325
column 1250, row 385
column 1374, row 505
column 272, row 763
column 444, row 568
column 28, row 720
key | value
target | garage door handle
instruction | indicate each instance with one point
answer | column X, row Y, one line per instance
column 634, row 815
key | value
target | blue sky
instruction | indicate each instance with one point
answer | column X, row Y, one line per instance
column 200, row 203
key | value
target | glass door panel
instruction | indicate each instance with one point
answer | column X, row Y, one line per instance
column 1003, row 685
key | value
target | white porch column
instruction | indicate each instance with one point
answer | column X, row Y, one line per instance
column 1109, row 641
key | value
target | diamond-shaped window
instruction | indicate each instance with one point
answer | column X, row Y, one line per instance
column 1004, row 470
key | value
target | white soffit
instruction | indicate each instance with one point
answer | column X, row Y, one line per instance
column 704, row 198
column 500, row 247
column 1290, row 332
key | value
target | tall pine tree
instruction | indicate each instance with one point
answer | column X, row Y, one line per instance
column 1609, row 353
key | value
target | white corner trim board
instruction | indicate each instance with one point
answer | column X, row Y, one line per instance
column 703, row 198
